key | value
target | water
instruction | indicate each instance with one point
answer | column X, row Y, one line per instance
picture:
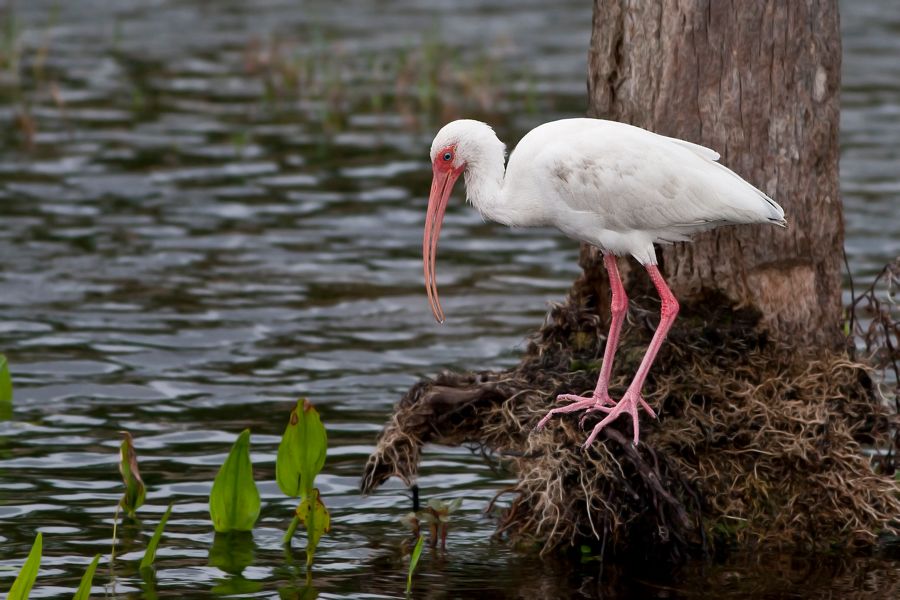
column 185, row 249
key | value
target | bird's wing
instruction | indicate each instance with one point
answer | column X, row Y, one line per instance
column 701, row 151
column 632, row 179
column 713, row 156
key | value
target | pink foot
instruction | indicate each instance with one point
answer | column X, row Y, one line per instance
column 629, row 403
column 588, row 404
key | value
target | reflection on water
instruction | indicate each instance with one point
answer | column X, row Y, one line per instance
column 188, row 245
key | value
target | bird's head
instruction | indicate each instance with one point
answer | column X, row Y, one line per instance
column 457, row 148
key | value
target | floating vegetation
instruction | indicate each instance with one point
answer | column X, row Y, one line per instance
column 150, row 552
column 6, row 391
column 135, row 490
column 413, row 562
column 234, row 502
column 21, row 587
column 87, row 580
column 301, row 456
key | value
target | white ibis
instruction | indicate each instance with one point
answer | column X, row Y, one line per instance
column 618, row 187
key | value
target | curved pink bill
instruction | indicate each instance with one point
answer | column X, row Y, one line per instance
column 441, row 186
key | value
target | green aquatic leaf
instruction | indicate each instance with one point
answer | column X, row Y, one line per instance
column 22, row 585
column 301, row 453
column 150, row 553
column 87, row 580
column 6, row 393
column 234, row 500
column 314, row 516
column 135, row 491
column 148, row 587
column 414, row 562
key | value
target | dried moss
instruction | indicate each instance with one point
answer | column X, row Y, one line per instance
column 756, row 442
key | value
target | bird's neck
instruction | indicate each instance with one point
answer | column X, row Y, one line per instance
column 485, row 182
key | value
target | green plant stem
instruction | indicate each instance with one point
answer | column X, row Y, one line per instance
column 289, row 534
column 112, row 552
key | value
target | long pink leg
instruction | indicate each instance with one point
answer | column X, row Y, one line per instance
column 632, row 397
column 618, row 307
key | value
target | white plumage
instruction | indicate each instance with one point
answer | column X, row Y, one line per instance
column 618, row 187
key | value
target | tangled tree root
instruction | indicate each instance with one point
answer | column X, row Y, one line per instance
column 755, row 443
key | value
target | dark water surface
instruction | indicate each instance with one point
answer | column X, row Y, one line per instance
column 209, row 209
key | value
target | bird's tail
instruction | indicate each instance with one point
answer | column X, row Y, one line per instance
column 777, row 216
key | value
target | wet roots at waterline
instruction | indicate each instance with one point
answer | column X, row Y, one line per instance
column 755, row 443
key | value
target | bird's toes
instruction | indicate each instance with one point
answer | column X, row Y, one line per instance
column 604, row 400
column 570, row 398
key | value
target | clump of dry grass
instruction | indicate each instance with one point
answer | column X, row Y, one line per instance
column 756, row 442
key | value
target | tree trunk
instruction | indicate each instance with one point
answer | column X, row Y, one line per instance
column 758, row 82
column 760, row 410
